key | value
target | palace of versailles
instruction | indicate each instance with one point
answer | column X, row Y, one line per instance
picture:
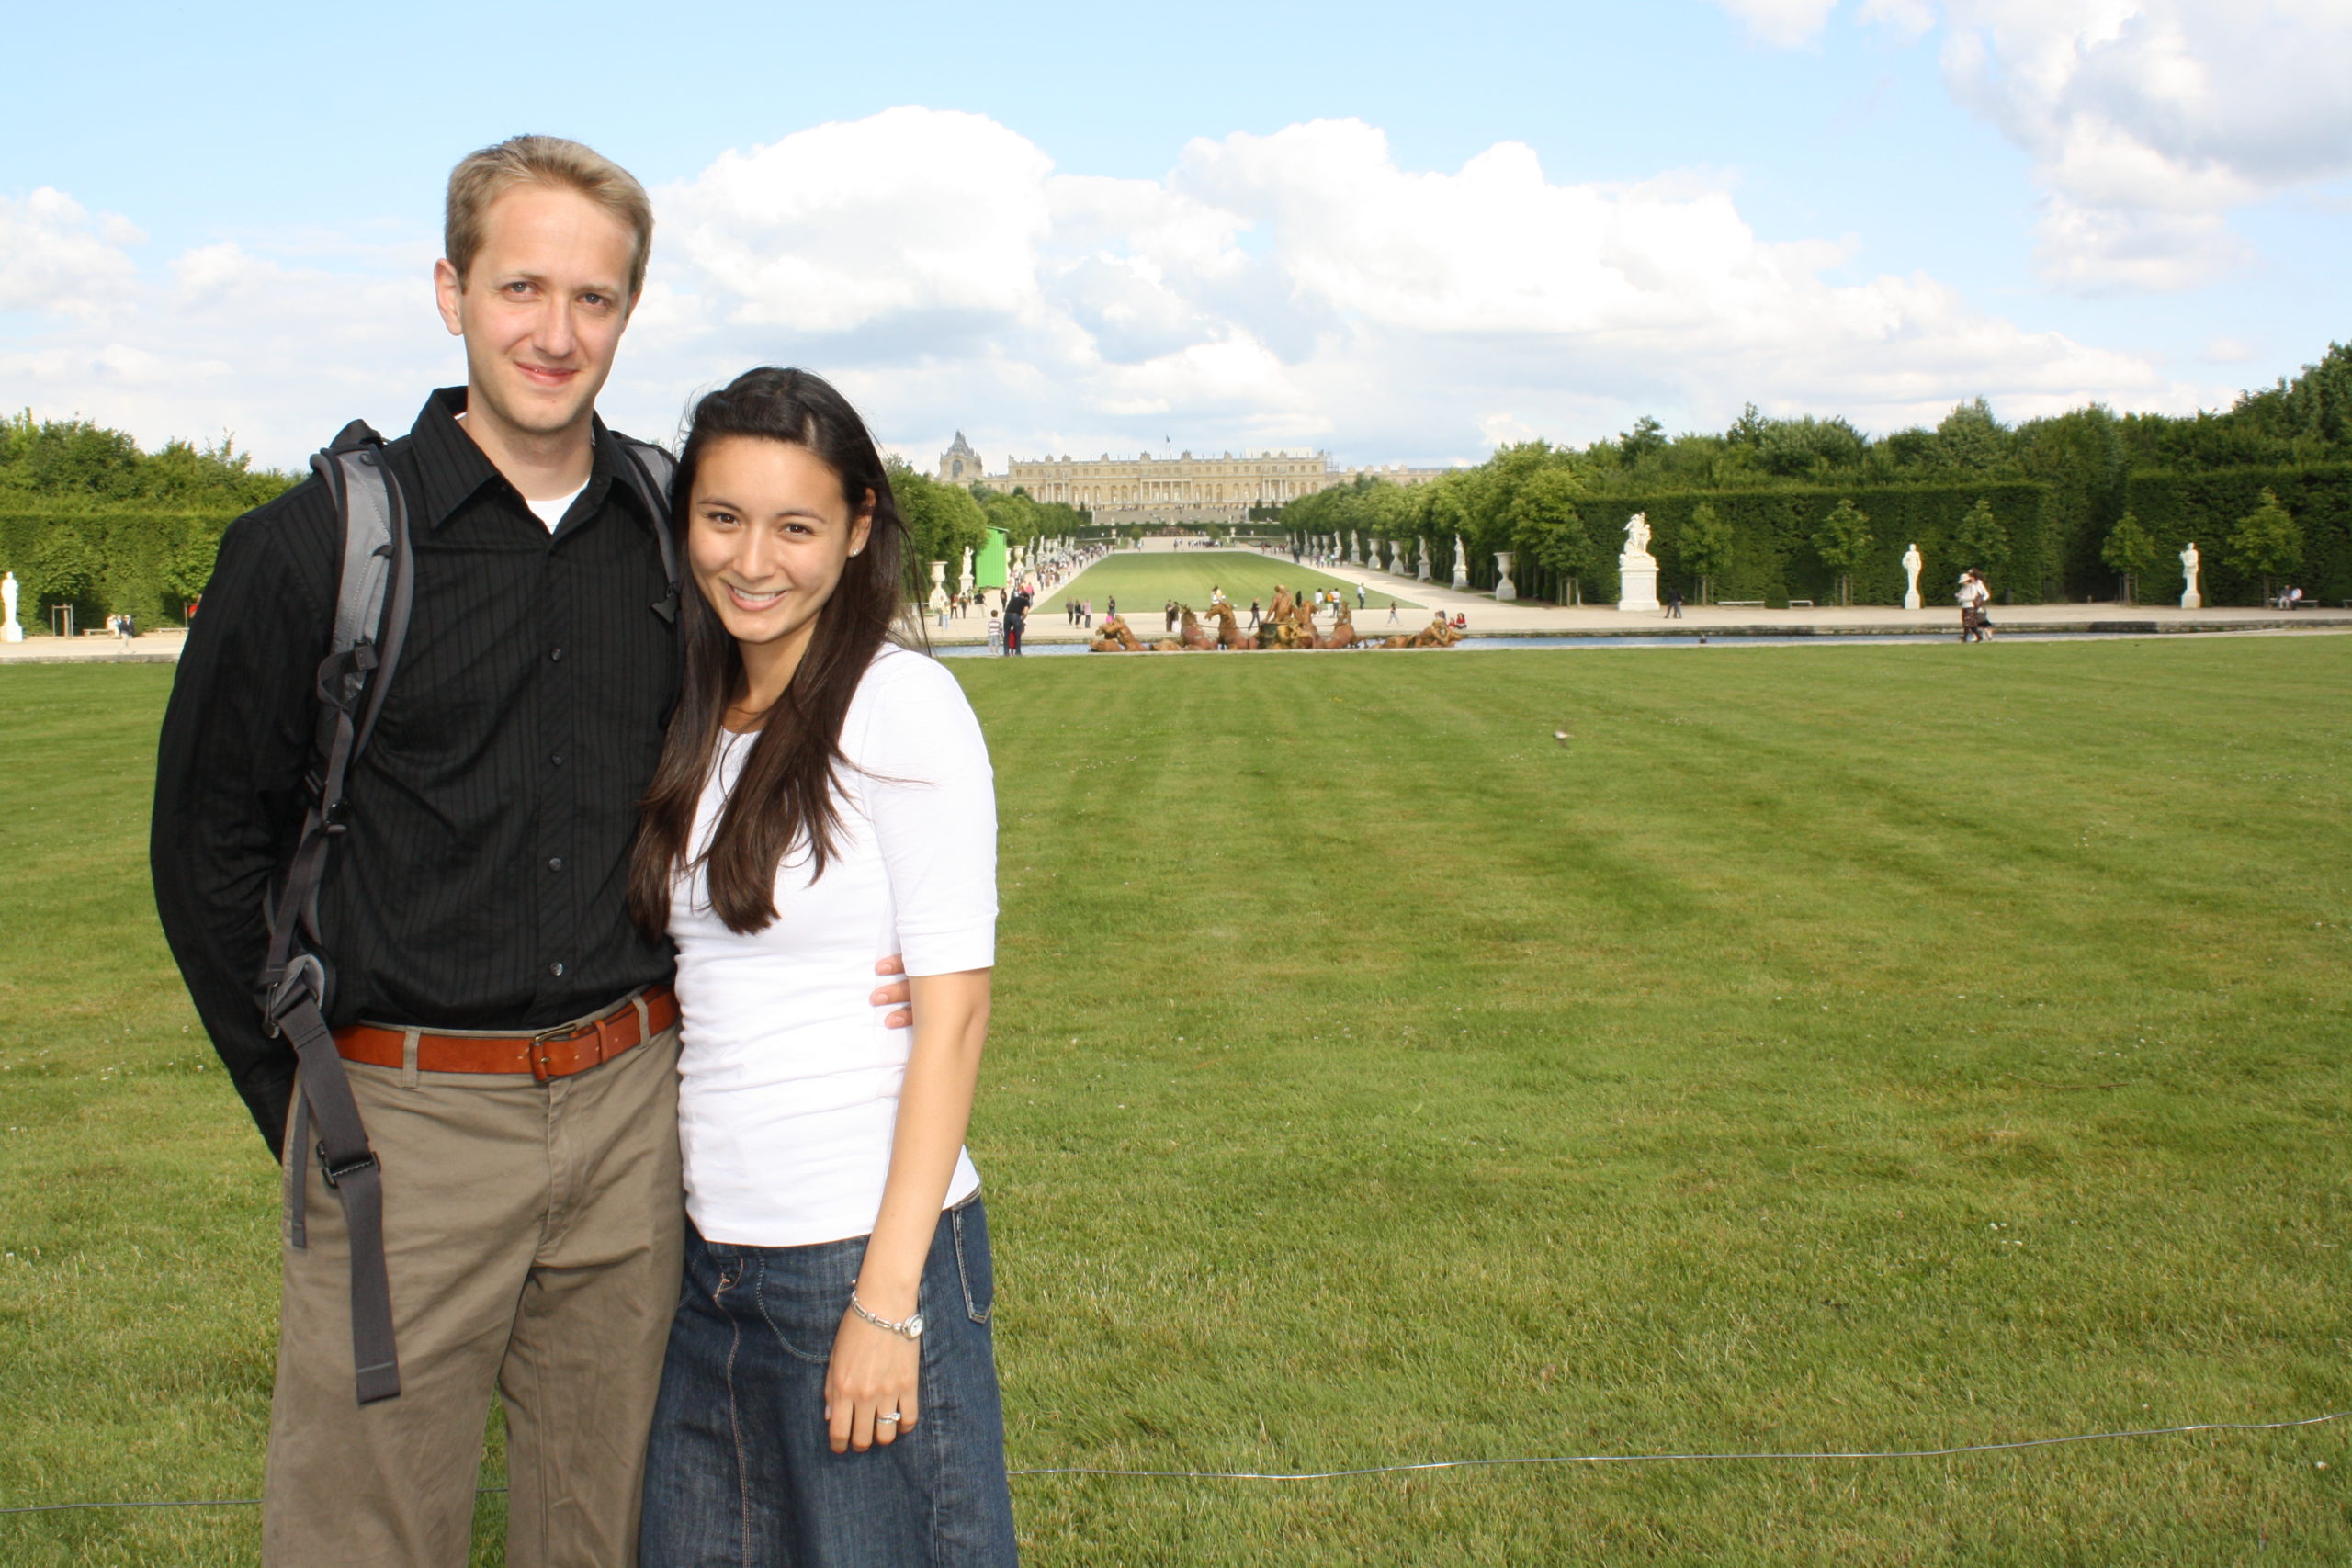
column 1182, row 489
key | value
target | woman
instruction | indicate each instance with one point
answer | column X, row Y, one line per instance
column 830, row 1395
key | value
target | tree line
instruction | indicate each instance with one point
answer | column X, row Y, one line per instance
column 2086, row 503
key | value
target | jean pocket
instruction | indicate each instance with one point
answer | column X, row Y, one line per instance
column 803, row 1294
column 974, row 1267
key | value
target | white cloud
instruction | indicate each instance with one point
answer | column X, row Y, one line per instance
column 1782, row 22
column 2148, row 121
column 55, row 257
column 222, row 340
column 1297, row 287
column 1303, row 286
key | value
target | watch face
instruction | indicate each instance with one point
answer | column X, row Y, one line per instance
column 914, row 1327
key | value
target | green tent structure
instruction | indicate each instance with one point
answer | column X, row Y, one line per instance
column 992, row 567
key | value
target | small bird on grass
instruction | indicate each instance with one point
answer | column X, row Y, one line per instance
column 1561, row 736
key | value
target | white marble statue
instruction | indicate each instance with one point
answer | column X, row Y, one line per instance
column 1912, row 562
column 1637, row 535
column 966, row 582
column 1637, row 569
column 1505, row 589
column 1460, row 566
column 2189, row 598
column 1422, row 573
column 1355, row 547
column 9, row 630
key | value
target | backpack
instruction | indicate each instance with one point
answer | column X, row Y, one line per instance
column 373, row 600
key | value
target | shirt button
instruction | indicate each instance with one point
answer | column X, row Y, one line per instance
column 555, row 759
column 556, row 968
column 554, row 863
column 555, row 655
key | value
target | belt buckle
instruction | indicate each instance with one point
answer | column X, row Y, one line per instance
column 538, row 1052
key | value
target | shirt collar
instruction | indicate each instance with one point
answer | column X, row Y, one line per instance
column 451, row 470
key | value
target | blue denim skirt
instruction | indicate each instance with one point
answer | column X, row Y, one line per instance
column 740, row 1471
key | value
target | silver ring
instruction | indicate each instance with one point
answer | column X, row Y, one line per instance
column 892, row 1416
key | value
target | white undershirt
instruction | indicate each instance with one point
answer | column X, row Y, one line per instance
column 550, row 511
column 788, row 1084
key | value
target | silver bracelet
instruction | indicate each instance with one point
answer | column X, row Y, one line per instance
column 911, row 1328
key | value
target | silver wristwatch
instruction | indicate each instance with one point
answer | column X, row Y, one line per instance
column 911, row 1328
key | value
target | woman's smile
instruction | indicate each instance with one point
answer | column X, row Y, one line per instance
column 747, row 600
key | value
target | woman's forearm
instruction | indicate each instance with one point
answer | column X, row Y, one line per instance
column 934, row 1107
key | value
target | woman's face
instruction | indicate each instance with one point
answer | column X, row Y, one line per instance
column 768, row 533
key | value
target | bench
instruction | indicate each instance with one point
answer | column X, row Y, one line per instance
column 1739, row 604
column 1799, row 603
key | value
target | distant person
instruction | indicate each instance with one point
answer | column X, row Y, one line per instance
column 1974, row 624
column 1394, row 619
column 1016, row 620
column 1674, row 604
column 1253, row 614
column 1172, row 615
column 995, row 633
column 1111, row 606
column 1359, row 595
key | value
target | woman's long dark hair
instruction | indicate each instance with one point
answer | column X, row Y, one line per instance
column 785, row 795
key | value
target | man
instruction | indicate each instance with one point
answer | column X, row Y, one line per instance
column 516, row 1067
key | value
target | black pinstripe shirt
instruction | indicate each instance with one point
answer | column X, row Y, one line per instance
column 479, row 885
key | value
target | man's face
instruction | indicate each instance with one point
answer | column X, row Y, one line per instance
column 543, row 307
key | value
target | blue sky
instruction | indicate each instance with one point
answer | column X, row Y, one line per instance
column 1086, row 227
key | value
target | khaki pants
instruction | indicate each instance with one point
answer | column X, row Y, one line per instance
column 532, row 1233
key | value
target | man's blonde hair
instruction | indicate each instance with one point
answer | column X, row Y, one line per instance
column 483, row 177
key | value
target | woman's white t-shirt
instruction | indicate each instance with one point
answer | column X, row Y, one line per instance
column 788, row 1084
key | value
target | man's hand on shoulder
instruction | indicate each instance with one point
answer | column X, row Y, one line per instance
column 898, row 995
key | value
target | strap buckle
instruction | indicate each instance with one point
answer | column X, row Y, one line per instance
column 335, row 1173
column 540, row 1070
column 303, row 980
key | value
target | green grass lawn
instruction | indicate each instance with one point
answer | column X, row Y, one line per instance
column 1826, row 1049
column 1144, row 581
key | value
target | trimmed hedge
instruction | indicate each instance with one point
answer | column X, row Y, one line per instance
column 2175, row 508
column 1773, row 557
column 132, row 548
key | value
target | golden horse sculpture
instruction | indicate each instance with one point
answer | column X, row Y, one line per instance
column 1229, row 628
column 1114, row 635
column 1439, row 633
column 1191, row 634
column 1289, row 624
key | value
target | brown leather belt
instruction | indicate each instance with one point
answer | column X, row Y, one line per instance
column 552, row 1054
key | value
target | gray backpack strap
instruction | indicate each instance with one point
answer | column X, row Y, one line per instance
column 372, row 603
column 649, row 472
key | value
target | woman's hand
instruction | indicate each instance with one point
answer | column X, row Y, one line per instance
column 874, row 1372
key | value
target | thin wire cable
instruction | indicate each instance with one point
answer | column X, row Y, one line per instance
column 1452, row 1463
column 1651, row 1459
